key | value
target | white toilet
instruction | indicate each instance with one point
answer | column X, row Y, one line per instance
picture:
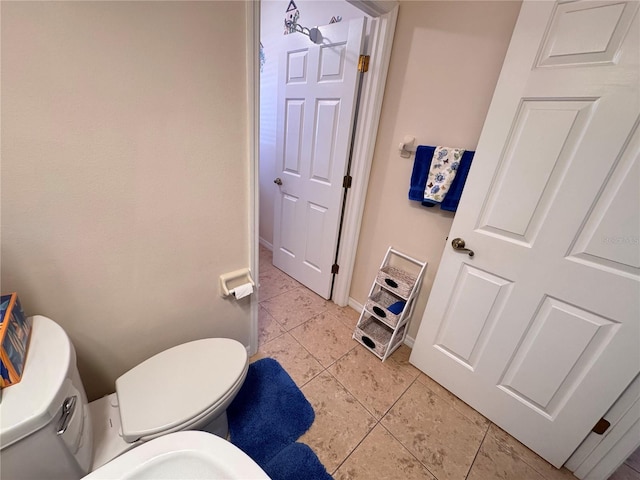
column 193, row 455
column 49, row 430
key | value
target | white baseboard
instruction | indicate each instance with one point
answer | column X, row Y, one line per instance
column 355, row 305
column 358, row 307
column 265, row 244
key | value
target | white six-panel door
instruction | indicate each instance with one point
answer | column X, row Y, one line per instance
column 316, row 103
column 540, row 330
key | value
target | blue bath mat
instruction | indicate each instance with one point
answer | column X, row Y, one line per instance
column 269, row 413
column 296, row 462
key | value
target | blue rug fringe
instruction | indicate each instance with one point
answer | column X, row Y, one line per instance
column 269, row 414
column 296, row 462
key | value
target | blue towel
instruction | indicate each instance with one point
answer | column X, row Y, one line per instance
column 397, row 307
column 421, row 166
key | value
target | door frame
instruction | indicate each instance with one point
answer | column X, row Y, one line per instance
column 598, row 456
column 379, row 45
column 252, row 28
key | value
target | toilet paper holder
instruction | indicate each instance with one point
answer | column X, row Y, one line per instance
column 231, row 280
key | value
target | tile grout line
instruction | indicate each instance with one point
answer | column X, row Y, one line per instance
column 453, row 405
column 372, row 414
column 350, row 393
column 477, row 452
column 408, row 451
column 357, row 445
column 283, row 331
column 297, row 325
column 275, row 296
column 324, row 370
column 522, row 459
column 397, row 439
column 329, row 310
column 282, row 327
column 378, row 421
column 399, row 397
column 630, row 466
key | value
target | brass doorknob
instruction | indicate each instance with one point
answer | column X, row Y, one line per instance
column 458, row 244
column 278, row 181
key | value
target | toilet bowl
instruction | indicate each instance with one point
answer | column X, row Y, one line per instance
column 192, row 455
column 185, row 387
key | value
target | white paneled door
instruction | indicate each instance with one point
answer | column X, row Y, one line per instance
column 317, row 89
column 540, row 329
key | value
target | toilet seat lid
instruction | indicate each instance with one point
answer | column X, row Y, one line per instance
column 176, row 385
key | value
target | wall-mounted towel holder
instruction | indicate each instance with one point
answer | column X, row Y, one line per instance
column 229, row 282
column 407, row 146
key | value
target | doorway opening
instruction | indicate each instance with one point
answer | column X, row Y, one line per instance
column 275, row 18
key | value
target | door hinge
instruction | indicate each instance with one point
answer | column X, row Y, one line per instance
column 334, row 268
column 363, row 63
column 346, row 181
column 601, row 426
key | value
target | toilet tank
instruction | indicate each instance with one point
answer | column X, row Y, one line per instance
column 45, row 427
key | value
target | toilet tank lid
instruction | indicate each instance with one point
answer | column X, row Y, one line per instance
column 178, row 384
column 33, row 402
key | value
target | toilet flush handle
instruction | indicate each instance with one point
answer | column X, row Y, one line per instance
column 68, row 407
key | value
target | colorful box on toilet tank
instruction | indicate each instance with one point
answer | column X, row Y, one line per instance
column 15, row 330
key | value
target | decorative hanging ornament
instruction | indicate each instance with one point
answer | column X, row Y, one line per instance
column 291, row 17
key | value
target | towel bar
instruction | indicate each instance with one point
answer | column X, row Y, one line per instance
column 406, row 147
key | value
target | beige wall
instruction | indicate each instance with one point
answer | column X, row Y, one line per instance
column 125, row 173
column 444, row 66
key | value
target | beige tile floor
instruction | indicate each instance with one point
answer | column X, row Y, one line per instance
column 378, row 420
